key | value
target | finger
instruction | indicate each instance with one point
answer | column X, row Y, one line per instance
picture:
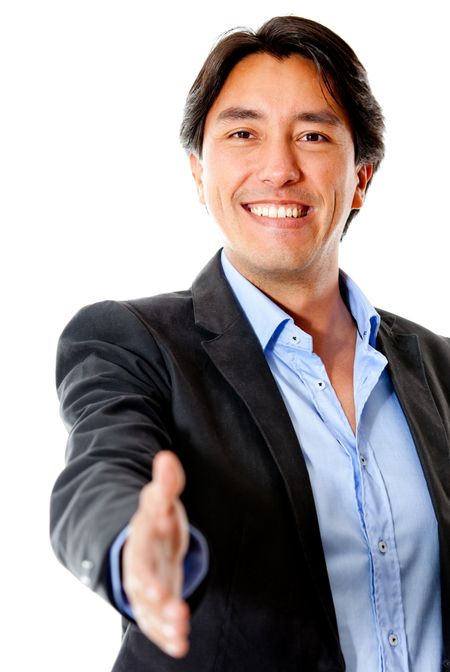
column 166, row 636
column 152, row 596
column 168, row 474
column 168, row 627
column 171, row 614
column 176, row 611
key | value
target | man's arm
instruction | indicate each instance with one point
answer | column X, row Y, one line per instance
column 115, row 400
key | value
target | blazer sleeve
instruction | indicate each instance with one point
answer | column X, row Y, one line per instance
column 114, row 391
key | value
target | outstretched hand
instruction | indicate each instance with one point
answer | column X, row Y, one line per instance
column 152, row 559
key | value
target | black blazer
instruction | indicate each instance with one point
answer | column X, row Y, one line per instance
column 185, row 371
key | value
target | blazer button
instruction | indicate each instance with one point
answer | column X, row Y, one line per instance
column 86, row 569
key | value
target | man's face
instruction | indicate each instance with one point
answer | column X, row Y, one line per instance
column 278, row 171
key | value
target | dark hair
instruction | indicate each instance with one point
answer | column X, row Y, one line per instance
column 344, row 77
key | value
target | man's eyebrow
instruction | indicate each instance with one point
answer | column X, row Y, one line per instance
column 318, row 117
column 236, row 113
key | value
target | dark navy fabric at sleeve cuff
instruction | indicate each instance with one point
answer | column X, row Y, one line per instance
column 196, row 562
column 115, row 564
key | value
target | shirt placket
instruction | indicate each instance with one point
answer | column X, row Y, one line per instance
column 384, row 560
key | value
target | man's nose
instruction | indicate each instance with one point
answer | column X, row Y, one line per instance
column 279, row 163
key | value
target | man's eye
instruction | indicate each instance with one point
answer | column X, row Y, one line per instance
column 313, row 137
column 241, row 135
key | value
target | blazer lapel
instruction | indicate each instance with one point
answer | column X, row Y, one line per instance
column 410, row 383
column 237, row 354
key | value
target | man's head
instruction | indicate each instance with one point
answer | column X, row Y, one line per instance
column 238, row 97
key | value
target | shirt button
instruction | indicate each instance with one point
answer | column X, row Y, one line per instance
column 363, row 460
column 321, row 384
column 382, row 547
column 393, row 639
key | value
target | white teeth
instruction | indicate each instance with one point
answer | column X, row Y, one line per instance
column 274, row 212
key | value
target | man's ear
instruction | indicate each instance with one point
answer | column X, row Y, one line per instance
column 364, row 173
column 197, row 174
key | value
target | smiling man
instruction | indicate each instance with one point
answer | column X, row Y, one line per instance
column 297, row 514
column 278, row 169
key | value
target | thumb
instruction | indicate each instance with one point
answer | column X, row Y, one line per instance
column 168, row 474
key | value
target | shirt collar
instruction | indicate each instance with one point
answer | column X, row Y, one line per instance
column 268, row 320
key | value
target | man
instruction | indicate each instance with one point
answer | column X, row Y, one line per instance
column 297, row 517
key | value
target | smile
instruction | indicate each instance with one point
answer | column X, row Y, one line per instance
column 278, row 212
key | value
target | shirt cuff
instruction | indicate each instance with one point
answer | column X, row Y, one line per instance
column 195, row 567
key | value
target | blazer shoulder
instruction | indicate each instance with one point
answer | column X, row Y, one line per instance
column 400, row 325
column 116, row 330
column 114, row 318
column 434, row 347
column 162, row 311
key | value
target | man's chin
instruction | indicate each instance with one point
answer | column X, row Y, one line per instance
column 270, row 264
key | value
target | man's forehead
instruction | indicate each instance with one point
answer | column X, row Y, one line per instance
column 255, row 86
column 247, row 66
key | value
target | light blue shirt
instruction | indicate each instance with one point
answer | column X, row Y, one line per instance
column 377, row 524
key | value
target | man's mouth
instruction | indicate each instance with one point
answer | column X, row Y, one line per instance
column 274, row 211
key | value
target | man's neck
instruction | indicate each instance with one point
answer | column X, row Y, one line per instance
column 317, row 306
column 313, row 300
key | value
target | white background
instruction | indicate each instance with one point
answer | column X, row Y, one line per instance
column 96, row 202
